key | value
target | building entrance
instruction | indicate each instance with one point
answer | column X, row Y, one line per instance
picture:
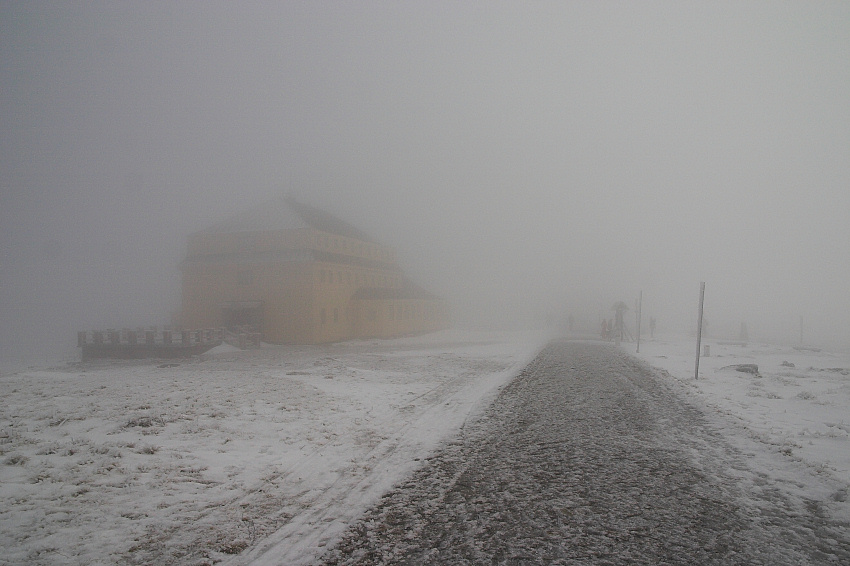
column 243, row 316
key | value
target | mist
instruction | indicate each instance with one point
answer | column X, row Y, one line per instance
column 527, row 161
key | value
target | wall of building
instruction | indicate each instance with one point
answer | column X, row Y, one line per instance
column 304, row 282
column 283, row 289
column 386, row 318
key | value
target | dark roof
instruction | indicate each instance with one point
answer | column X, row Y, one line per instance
column 287, row 213
column 325, row 221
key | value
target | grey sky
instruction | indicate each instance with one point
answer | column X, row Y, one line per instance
column 525, row 158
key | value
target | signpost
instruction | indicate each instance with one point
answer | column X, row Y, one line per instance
column 699, row 326
column 639, row 305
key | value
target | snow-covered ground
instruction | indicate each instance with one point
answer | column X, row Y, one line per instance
column 796, row 408
column 233, row 456
column 265, row 456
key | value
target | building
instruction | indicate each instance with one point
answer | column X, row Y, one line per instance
column 300, row 275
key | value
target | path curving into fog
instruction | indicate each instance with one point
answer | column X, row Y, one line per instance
column 586, row 457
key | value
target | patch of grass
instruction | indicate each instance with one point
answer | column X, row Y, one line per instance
column 234, row 547
column 147, row 449
column 17, row 460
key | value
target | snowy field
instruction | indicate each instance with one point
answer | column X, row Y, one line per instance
column 796, row 409
column 265, row 456
column 233, row 456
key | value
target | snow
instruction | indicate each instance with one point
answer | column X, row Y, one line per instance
column 796, row 409
column 266, row 456
column 236, row 455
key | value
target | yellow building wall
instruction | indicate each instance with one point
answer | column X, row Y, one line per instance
column 283, row 289
column 303, row 301
column 387, row 318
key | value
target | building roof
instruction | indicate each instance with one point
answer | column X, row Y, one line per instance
column 287, row 214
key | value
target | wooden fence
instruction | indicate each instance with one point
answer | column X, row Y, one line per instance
column 154, row 343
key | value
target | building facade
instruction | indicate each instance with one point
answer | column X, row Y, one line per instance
column 300, row 275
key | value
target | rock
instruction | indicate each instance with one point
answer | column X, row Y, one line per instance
column 744, row 368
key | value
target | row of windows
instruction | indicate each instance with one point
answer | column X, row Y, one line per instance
column 246, row 277
column 393, row 312
column 410, row 312
column 356, row 278
column 345, row 245
column 324, row 316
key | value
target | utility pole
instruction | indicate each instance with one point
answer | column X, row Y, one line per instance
column 699, row 326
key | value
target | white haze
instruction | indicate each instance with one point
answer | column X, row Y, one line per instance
column 528, row 160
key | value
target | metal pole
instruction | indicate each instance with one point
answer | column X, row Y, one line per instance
column 699, row 326
column 640, row 303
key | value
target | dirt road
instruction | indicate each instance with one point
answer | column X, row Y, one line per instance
column 587, row 458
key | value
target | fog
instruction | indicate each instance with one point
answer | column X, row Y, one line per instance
column 527, row 160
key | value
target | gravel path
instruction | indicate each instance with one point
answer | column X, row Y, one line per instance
column 587, row 458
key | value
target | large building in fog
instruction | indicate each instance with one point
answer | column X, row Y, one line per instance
column 300, row 275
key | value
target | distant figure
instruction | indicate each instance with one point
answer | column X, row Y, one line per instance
column 604, row 329
column 652, row 327
column 620, row 309
column 570, row 322
column 744, row 336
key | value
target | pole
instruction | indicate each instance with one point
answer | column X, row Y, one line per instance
column 699, row 326
column 640, row 303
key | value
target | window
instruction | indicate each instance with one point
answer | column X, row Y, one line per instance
column 244, row 277
column 246, row 243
